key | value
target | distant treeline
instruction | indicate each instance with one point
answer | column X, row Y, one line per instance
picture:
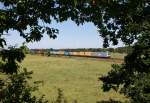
column 115, row 50
column 121, row 49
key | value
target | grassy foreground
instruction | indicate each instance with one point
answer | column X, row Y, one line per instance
column 78, row 78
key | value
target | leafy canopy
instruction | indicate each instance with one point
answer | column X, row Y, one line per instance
column 116, row 19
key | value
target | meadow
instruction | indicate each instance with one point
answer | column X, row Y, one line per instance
column 77, row 77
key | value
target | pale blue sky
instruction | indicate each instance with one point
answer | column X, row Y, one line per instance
column 70, row 36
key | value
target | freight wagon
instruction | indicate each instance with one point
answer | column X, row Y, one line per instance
column 104, row 54
column 82, row 54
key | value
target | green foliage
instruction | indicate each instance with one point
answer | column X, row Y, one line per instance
column 129, row 20
column 25, row 49
column 61, row 99
column 139, row 91
column 109, row 101
column 126, row 49
column 24, row 16
column 133, row 75
column 15, row 89
column 10, row 60
column 115, row 19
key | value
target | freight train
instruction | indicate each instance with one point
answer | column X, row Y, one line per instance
column 103, row 54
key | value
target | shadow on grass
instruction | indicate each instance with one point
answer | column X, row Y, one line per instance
column 110, row 101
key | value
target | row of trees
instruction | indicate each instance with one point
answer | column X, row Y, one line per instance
column 125, row 20
column 113, row 50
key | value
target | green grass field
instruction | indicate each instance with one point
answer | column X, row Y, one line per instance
column 118, row 55
column 78, row 78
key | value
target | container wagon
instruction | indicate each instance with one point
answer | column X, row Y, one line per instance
column 104, row 54
column 82, row 54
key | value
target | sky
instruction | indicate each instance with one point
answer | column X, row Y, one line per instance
column 70, row 36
